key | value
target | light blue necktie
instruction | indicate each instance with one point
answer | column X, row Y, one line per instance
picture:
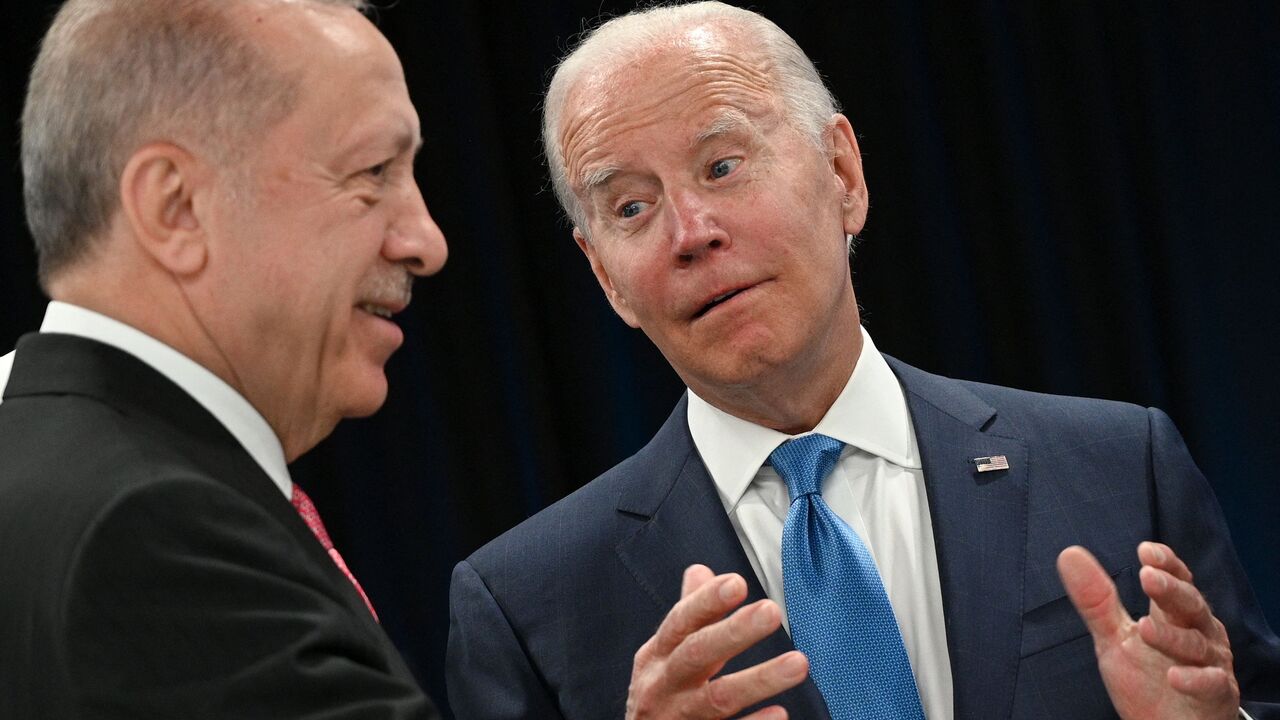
column 837, row 608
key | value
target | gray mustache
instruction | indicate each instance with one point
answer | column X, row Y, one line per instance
column 391, row 287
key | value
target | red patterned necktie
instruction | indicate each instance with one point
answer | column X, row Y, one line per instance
column 311, row 517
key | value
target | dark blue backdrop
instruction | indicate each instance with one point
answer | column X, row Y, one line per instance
column 1072, row 197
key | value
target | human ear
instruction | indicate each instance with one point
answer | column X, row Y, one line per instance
column 615, row 298
column 158, row 190
column 846, row 162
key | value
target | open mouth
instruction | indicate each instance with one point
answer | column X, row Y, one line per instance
column 378, row 310
column 717, row 300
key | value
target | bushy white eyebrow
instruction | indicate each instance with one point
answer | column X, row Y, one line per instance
column 728, row 121
column 593, row 179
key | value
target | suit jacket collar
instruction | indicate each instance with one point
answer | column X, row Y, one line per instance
column 979, row 524
column 56, row 364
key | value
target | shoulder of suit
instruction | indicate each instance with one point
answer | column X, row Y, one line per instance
column 1024, row 412
column 580, row 523
column 71, row 438
column 586, row 522
column 1044, row 408
column 72, row 461
column 1064, row 423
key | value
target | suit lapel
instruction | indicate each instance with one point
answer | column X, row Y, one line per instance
column 684, row 522
column 979, row 525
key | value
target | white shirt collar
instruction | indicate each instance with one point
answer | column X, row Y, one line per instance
column 222, row 401
column 6, row 365
column 869, row 414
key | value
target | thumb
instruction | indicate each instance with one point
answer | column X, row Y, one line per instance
column 1092, row 593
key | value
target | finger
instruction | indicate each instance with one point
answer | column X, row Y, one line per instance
column 1162, row 556
column 727, row 695
column 1208, row 685
column 1092, row 593
column 773, row 712
column 705, row 605
column 1180, row 602
column 1184, row 646
column 695, row 576
column 704, row 652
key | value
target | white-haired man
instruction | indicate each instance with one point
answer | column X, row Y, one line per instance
column 226, row 218
column 905, row 527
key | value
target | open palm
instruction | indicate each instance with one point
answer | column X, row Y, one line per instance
column 1172, row 664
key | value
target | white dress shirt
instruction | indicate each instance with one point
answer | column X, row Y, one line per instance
column 877, row 487
column 6, row 364
column 230, row 408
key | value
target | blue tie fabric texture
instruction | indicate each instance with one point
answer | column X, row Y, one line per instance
column 837, row 608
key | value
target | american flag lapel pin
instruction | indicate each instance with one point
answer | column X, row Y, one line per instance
column 991, row 463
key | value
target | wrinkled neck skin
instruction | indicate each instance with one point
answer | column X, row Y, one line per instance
column 794, row 399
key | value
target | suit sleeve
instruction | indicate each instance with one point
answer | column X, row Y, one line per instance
column 188, row 600
column 489, row 674
column 1190, row 521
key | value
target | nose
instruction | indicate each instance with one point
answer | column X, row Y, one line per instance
column 413, row 239
column 693, row 228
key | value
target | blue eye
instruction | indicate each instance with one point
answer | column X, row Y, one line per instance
column 631, row 209
column 720, row 168
column 377, row 170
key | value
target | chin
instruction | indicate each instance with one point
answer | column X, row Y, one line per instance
column 742, row 362
column 364, row 396
column 736, row 373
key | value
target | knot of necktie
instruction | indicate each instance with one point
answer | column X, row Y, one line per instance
column 307, row 509
column 804, row 461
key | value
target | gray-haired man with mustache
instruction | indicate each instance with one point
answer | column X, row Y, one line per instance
column 224, row 207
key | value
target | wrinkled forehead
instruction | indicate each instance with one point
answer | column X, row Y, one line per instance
column 676, row 87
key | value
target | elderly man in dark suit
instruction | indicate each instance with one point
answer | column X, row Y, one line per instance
column 223, row 201
column 909, row 530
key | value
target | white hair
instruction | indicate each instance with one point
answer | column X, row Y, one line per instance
column 112, row 75
column 807, row 103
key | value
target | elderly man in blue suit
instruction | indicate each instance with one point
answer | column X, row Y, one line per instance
column 909, row 544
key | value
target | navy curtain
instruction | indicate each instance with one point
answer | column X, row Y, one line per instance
column 1071, row 197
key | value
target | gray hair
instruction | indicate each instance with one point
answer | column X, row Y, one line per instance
column 807, row 103
column 113, row 75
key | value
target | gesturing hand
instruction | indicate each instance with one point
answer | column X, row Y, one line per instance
column 671, row 676
column 1174, row 663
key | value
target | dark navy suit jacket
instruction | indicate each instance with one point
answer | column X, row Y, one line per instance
column 546, row 619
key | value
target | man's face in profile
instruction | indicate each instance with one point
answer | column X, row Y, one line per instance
column 714, row 225
column 323, row 244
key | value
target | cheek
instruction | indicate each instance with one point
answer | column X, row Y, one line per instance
column 650, row 290
column 628, row 270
